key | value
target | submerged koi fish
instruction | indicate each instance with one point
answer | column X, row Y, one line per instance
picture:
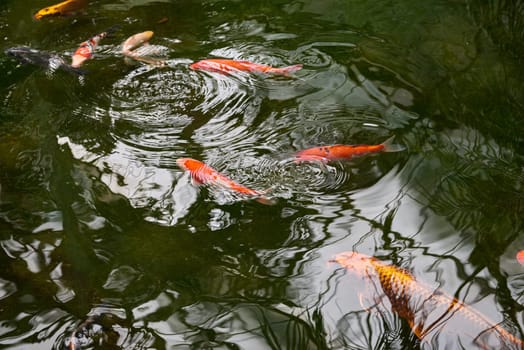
column 520, row 257
column 65, row 8
column 204, row 174
column 86, row 49
column 43, row 59
column 340, row 152
column 131, row 45
column 429, row 312
column 228, row 66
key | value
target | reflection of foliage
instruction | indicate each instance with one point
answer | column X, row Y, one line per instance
column 479, row 194
column 240, row 325
column 503, row 20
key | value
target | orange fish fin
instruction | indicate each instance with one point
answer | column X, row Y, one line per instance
column 287, row 70
column 366, row 304
column 389, row 146
column 195, row 181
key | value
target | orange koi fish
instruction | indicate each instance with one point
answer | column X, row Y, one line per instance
column 65, row 8
column 430, row 312
column 86, row 49
column 136, row 41
column 228, row 66
column 520, row 257
column 341, row 152
column 204, row 174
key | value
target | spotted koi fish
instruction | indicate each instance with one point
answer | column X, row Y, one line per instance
column 65, row 8
column 51, row 62
column 86, row 49
column 204, row 174
column 228, row 66
column 430, row 312
column 345, row 152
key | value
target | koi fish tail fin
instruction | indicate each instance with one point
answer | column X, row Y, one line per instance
column 389, row 146
column 288, row 70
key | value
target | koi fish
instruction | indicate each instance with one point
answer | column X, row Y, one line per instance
column 204, row 174
column 429, row 312
column 228, row 66
column 134, row 42
column 86, row 49
column 65, row 8
column 52, row 62
column 520, row 257
column 341, row 152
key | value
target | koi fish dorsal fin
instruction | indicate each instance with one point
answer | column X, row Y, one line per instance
column 286, row 70
column 389, row 146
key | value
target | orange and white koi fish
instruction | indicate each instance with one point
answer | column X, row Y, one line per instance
column 228, row 66
column 131, row 44
column 204, row 174
column 345, row 152
column 65, row 8
column 86, row 49
column 429, row 312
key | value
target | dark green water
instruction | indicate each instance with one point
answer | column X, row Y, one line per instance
column 97, row 219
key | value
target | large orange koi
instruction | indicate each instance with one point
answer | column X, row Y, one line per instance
column 65, row 8
column 430, row 312
column 204, row 174
column 341, row 152
column 228, row 66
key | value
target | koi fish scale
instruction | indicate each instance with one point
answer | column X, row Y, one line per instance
column 430, row 313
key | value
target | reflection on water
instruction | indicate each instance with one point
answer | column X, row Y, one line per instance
column 106, row 241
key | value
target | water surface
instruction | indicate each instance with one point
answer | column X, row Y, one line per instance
column 97, row 219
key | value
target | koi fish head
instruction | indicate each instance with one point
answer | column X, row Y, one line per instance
column 46, row 12
column 137, row 40
column 207, row 65
column 354, row 261
column 200, row 173
column 189, row 164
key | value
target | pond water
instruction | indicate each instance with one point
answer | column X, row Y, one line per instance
column 99, row 226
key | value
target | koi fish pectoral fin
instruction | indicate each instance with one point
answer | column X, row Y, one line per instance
column 369, row 304
column 148, row 60
column 310, row 158
column 196, row 182
column 266, row 200
column 286, row 71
